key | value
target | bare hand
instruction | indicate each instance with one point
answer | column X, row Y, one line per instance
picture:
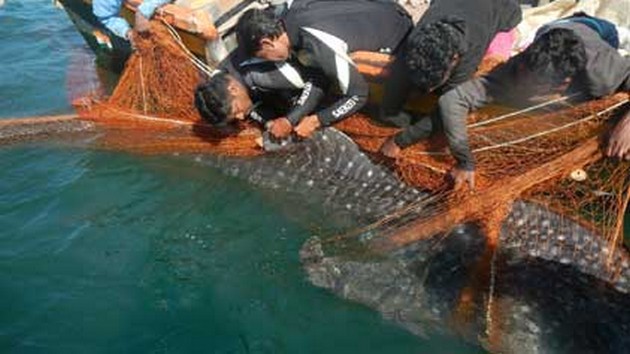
column 131, row 37
column 390, row 148
column 141, row 24
column 619, row 141
column 462, row 177
column 280, row 128
column 307, row 126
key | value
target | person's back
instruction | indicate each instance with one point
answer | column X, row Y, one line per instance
column 321, row 34
column 477, row 21
column 363, row 25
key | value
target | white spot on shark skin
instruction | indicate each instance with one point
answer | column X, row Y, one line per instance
column 327, row 159
column 310, row 183
column 561, row 237
column 532, row 327
column 565, row 260
column 288, row 161
column 370, row 173
column 460, row 230
column 545, row 223
column 197, row 158
column 388, row 188
column 364, row 185
column 350, row 164
column 348, row 206
column 520, row 222
column 324, row 137
column 343, row 148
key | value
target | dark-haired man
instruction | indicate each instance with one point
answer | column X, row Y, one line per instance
column 321, row 34
column 276, row 95
column 569, row 55
column 442, row 51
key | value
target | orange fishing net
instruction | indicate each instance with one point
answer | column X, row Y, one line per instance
column 151, row 109
column 527, row 155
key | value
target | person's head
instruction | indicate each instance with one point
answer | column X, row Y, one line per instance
column 222, row 100
column 432, row 52
column 261, row 35
column 555, row 57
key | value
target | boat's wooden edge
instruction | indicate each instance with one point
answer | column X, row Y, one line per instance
column 194, row 21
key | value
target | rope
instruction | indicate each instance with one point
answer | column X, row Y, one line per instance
column 199, row 64
column 546, row 132
column 529, row 137
column 144, row 93
column 522, row 111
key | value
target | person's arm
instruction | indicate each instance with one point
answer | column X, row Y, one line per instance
column 619, row 140
column 108, row 13
column 148, row 7
column 453, row 108
column 396, row 90
column 268, row 77
column 337, row 68
column 144, row 14
column 312, row 94
column 606, row 73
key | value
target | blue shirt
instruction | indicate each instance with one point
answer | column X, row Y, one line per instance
column 108, row 13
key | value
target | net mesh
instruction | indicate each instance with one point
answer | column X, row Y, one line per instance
column 549, row 154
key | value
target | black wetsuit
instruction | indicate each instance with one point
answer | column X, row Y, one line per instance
column 323, row 32
column 478, row 22
column 277, row 89
column 606, row 72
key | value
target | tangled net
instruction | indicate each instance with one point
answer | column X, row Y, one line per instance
column 527, row 154
column 151, row 110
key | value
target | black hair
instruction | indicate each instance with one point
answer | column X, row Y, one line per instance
column 430, row 51
column 557, row 54
column 255, row 25
column 213, row 100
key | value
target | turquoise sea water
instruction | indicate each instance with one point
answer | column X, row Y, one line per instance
column 110, row 252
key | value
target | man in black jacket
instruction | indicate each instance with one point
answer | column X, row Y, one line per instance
column 567, row 55
column 276, row 95
column 442, row 51
column 321, row 34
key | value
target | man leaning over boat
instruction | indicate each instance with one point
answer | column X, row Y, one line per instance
column 321, row 35
column 576, row 55
column 260, row 91
column 442, row 51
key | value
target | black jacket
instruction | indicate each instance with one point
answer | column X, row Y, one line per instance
column 277, row 89
column 323, row 32
column 478, row 21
